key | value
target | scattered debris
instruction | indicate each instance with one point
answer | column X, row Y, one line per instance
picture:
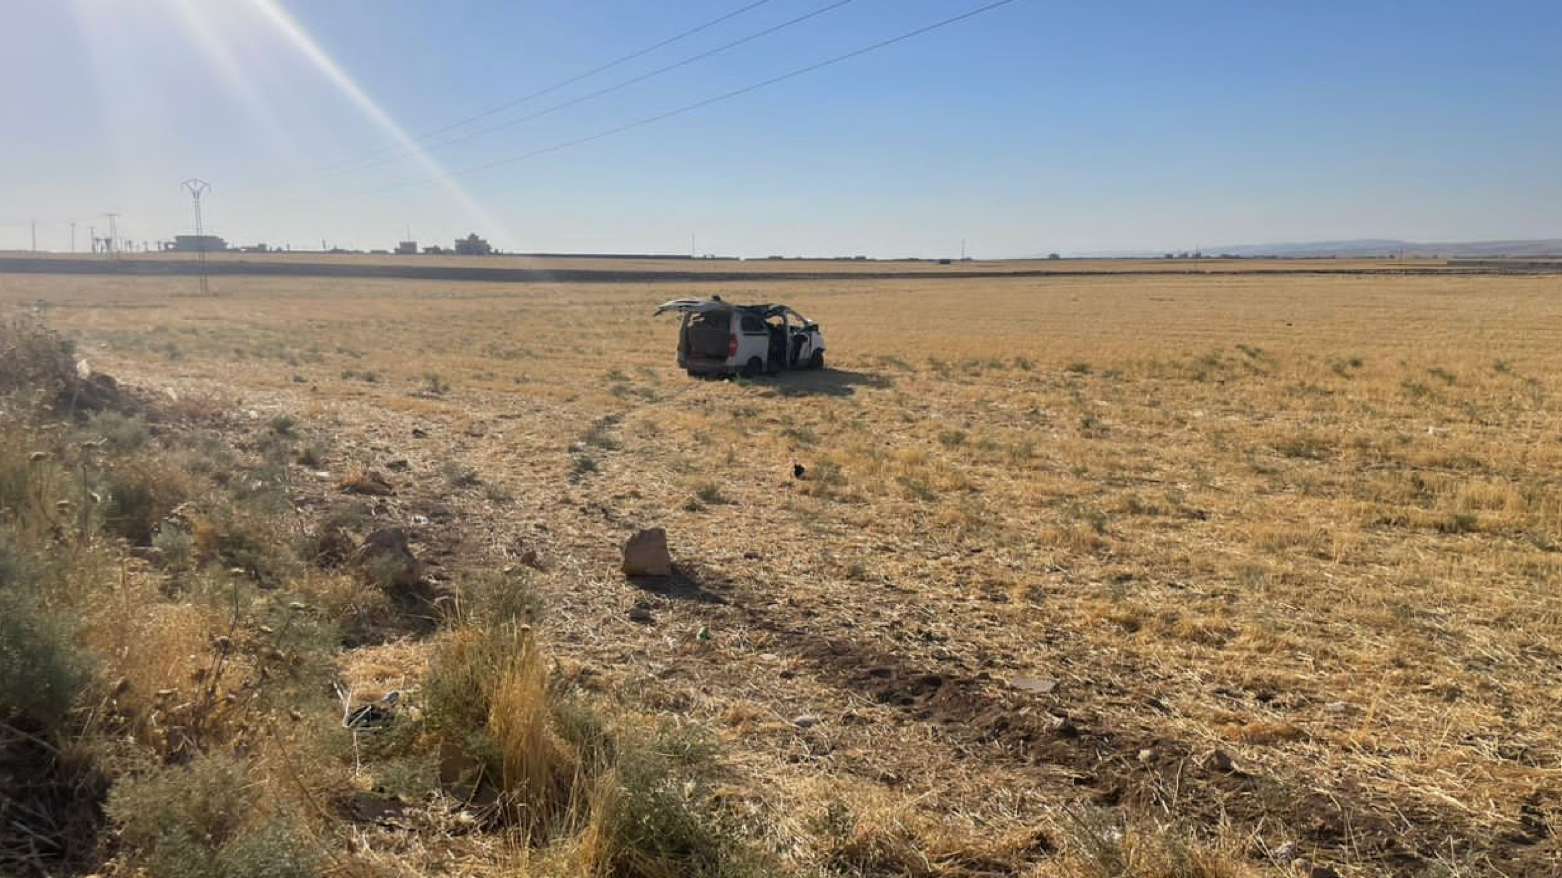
column 376, row 715
column 366, row 482
column 641, row 612
column 806, row 721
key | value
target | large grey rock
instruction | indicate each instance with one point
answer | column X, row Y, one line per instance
column 646, row 554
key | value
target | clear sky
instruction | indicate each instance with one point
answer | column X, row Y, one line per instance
column 1041, row 125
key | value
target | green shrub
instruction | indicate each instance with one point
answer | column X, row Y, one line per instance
column 208, row 819
column 648, row 819
column 130, row 508
column 41, row 667
column 121, row 432
column 498, row 597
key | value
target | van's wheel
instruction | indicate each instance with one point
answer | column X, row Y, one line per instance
column 753, row 367
column 817, row 360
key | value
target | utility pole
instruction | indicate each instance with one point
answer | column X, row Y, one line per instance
column 73, row 236
column 197, row 188
column 113, row 243
column 35, row 236
column 962, row 249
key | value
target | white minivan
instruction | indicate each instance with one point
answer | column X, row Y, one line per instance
column 720, row 338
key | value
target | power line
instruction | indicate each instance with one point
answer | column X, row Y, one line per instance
column 414, row 149
column 571, row 80
column 704, row 103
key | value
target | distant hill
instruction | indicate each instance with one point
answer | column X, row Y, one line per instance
column 1362, row 247
column 1388, row 247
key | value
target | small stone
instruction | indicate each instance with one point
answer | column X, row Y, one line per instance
column 805, row 721
column 1038, row 685
column 1147, row 755
column 1221, row 761
column 419, row 433
column 398, row 465
column 1284, row 853
column 641, row 613
column 1322, row 872
column 645, row 554
column 1065, row 727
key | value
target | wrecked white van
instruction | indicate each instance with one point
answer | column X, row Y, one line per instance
column 720, row 338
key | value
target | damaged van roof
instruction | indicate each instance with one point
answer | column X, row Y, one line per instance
column 697, row 305
column 703, row 306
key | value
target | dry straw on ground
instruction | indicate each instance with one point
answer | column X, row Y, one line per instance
column 1284, row 549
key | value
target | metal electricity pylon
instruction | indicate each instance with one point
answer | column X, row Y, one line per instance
column 197, row 188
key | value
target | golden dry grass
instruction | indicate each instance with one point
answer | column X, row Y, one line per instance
column 1286, row 546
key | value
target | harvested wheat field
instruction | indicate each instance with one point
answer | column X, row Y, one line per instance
column 1203, row 575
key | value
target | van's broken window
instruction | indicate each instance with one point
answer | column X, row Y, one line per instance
column 753, row 324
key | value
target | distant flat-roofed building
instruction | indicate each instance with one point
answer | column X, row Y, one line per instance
column 197, row 243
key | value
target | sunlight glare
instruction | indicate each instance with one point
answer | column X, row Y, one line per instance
column 305, row 44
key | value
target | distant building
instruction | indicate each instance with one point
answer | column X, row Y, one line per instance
column 197, row 244
column 407, row 248
column 472, row 245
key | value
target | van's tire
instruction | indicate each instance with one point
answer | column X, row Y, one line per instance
column 817, row 360
column 753, row 367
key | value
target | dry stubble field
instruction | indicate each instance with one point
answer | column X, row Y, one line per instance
column 1268, row 563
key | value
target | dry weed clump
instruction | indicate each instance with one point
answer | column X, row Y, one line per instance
column 213, row 817
column 1098, row 845
column 600, row 791
column 34, row 358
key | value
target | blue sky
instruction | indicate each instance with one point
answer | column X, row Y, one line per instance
column 1038, row 126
